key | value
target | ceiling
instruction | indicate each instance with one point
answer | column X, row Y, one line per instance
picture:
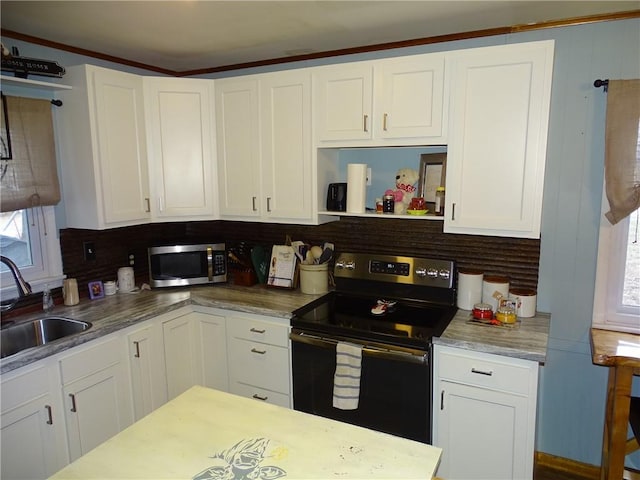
column 190, row 36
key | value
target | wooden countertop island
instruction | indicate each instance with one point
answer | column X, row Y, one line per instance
column 208, row 434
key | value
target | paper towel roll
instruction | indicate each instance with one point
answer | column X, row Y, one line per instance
column 356, row 187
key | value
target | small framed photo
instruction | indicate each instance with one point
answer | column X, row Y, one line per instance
column 96, row 290
column 433, row 174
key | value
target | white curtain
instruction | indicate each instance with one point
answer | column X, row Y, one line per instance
column 622, row 150
column 28, row 178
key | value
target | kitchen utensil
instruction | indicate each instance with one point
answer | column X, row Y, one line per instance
column 327, row 254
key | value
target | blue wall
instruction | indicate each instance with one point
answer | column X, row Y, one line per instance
column 572, row 391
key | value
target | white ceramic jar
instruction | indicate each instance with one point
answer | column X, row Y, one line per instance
column 494, row 287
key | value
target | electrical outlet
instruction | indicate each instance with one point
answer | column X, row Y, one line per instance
column 132, row 259
column 89, row 251
column 368, row 176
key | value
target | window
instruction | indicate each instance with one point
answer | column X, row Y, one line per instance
column 30, row 239
column 617, row 294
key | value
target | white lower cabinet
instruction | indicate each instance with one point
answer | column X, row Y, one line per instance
column 32, row 424
column 146, row 364
column 96, row 394
column 484, row 414
column 259, row 359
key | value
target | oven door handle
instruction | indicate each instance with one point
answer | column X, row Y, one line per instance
column 406, row 355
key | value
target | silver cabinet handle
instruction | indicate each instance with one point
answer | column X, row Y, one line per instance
column 268, row 204
column 384, row 122
column 255, row 330
column 261, row 352
column 148, row 204
column 482, row 372
column 453, row 211
column 137, row 345
column 253, row 200
column 258, row 397
column 366, row 128
column 73, row 402
column 442, row 400
column 49, row 415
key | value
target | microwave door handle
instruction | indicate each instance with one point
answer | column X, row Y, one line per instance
column 210, row 263
column 416, row 356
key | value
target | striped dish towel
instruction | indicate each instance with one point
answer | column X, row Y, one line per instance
column 346, row 381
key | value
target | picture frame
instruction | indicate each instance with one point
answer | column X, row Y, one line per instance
column 433, row 174
column 96, row 290
column 5, row 137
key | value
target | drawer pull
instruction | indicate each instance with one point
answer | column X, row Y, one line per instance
column 442, row 400
column 255, row 330
column 137, row 354
column 261, row 352
column 258, row 397
column 482, row 372
column 49, row 415
column 73, row 402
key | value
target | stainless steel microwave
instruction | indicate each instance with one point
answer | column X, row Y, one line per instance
column 182, row 265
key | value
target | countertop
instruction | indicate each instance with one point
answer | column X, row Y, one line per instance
column 528, row 340
column 112, row 313
column 122, row 310
column 207, row 434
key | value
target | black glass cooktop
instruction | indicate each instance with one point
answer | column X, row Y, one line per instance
column 407, row 323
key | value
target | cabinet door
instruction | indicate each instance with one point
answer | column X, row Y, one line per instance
column 409, row 99
column 121, row 146
column 32, row 427
column 238, row 145
column 97, row 408
column 146, row 361
column 181, row 159
column 179, row 345
column 212, row 350
column 481, row 433
column 343, row 103
column 498, row 135
column 286, row 145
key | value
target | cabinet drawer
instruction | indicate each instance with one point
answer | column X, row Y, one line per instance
column 258, row 364
column 260, row 394
column 258, row 331
column 487, row 371
column 90, row 359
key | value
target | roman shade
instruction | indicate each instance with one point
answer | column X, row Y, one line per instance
column 622, row 151
column 28, row 174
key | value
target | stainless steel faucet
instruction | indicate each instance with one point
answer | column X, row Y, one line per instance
column 24, row 289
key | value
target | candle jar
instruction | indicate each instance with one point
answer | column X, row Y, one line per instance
column 506, row 315
column 417, row 203
column 482, row 311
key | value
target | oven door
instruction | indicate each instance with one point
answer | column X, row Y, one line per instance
column 395, row 386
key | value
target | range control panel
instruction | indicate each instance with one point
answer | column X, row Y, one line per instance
column 396, row 269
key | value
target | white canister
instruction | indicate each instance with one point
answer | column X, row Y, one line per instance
column 126, row 279
column 469, row 288
column 110, row 287
column 526, row 299
column 494, row 287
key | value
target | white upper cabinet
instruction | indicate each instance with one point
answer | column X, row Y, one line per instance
column 285, row 114
column 264, row 147
column 180, row 146
column 101, row 133
column 238, row 145
column 498, row 136
column 397, row 101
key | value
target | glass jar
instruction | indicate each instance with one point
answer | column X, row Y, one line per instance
column 506, row 315
column 439, row 207
column 378, row 205
column 482, row 311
